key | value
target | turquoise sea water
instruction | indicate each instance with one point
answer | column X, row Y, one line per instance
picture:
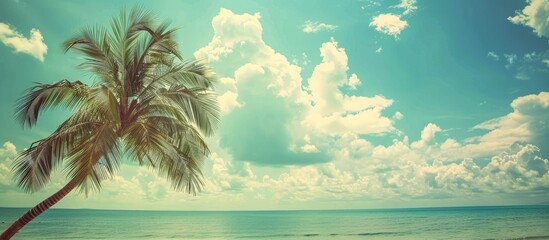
column 510, row 222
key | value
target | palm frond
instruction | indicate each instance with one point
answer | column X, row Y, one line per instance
column 183, row 172
column 199, row 105
column 101, row 101
column 178, row 132
column 96, row 158
column 162, row 40
column 95, row 44
column 143, row 139
column 150, row 146
column 196, row 74
column 190, row 73
column 34, row 165
column 150, row 50
column 125, row 31
column 43, row 96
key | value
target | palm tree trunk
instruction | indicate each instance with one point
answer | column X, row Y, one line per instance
column 38, row 209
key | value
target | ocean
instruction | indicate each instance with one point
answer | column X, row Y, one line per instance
column 508, row 222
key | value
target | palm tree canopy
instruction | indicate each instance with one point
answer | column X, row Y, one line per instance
column 148, row 102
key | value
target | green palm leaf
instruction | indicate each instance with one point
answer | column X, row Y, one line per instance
column 43, row 96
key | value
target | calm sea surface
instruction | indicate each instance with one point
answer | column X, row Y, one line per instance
column 516, row 222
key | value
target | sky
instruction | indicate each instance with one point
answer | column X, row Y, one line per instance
column 332, row 105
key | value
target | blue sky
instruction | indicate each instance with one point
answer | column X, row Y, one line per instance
column 349, row 104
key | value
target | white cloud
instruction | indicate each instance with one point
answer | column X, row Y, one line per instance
column 390, row 24
column 526, row 66
column 378, row 50
column 525, row 123
column 304, row 60
column 8, row 150
column 493, row 55
column 228, row 175
column 33, row 46
column 425, row 168
column 354, row 81
column 312, row 27
column 534, row 15
column 408, row 5
column 309, row 148
column 333, row 112
column 519, row 169
column 228, row 101
column 8, row 153
column 249, row 30
column 511, row 59
column 530, row 56
column 427, row 135
column 398, row 116
column 318, row 107
column 326, row 115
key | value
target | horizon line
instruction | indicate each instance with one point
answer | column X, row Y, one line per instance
column 296, row 210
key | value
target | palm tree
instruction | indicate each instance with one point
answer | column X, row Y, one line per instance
column 147, row 103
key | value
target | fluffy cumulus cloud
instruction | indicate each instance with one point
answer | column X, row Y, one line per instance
column 418, row 170
column 33, row 46
column 392, row 24
column 535, row 15
column 527, row 122
column 312, row 27
column 7, row 154
column 333, row 112
column 388, row 23
column 229, row 99
column 520, row 168
column 225, row 39
column 270, row 108
column 315, row 116
column 431, row 166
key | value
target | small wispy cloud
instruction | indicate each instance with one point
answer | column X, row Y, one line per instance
column 525, row 66
column 493, row 55
column 511, row 59
column 312, row 27
column 408, row 5
column 33, row 46
column 389, row 24
column 530, row 56
column 378, row 50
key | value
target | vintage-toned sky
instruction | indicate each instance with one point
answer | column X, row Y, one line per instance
column 326, row 104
